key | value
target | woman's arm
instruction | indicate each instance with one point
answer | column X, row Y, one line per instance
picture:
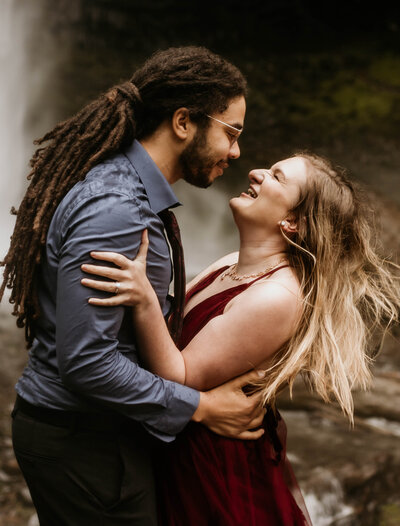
column 254, row 325
column 158, row 351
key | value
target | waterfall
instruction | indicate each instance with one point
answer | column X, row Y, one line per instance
column 13, row 106
column 326, row 504
column 25, row 64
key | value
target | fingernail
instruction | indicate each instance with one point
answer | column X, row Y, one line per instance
column 260, row 373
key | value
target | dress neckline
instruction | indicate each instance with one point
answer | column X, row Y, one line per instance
column 212, row 276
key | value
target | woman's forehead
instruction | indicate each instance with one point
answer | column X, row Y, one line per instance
column 294, row 168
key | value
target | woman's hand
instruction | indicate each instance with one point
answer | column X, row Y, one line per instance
column 130, row 285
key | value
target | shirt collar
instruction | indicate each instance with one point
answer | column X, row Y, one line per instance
column 158, row 190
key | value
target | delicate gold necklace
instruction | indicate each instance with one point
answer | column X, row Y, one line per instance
column 231, row 272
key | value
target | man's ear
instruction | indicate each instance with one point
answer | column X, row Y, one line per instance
column 181, row 124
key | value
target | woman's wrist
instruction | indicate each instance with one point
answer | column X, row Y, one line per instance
column 148, row 301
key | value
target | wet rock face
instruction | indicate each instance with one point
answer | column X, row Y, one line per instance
column 348, row 476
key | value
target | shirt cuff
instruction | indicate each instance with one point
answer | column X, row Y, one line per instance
column 182, row 403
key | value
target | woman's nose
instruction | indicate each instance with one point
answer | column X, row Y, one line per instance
column 257, row 175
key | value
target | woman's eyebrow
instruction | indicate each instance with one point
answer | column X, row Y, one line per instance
column 278, row 171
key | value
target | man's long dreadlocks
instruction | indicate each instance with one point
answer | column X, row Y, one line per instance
column 190, row 77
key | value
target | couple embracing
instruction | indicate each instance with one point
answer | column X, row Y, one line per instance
column 130, row 394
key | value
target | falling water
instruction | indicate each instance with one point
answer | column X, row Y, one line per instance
column 25, row 63
column 14, row 143
column 326, row 504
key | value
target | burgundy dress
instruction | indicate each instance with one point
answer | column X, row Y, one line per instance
column 204, row 479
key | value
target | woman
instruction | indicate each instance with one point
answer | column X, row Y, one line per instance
column 301, row 296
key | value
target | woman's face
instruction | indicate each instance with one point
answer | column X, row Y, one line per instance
column 273, row 192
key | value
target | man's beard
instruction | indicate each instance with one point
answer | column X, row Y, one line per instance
column 197, row 162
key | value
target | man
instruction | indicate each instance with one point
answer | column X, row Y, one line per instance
column 86, row 412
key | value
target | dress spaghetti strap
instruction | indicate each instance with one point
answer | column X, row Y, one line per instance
column 212, row 276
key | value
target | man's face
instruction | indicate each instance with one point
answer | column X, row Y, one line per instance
column 207, row 155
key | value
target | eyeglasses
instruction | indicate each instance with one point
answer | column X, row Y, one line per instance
column 233, row 137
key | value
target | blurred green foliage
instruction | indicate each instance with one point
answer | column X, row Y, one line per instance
column 390, row 515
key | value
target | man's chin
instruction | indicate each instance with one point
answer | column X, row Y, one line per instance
column 199, row 181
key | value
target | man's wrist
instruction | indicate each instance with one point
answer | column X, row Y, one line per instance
column 201, row 411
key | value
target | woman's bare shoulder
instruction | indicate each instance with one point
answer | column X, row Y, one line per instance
column 279, row 294
column 227, row 260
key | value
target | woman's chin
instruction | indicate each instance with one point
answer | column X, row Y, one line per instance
column 240, row 202
column 236, row 201
column 237, row 208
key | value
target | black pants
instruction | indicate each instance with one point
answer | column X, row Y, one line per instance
column 84, row 472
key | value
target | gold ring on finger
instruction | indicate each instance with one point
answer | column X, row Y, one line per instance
column 117, row 287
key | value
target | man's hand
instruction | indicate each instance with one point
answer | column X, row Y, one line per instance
column 229, row 412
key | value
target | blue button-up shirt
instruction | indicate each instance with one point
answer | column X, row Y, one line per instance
column 84, row 358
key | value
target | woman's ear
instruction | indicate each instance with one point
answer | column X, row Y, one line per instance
column 181, row 124
column 289, row 225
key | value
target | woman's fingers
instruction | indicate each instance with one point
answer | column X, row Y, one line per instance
column 122, row 261
column 106, row 272
column 144, row 246
column 128, row 281
column 107, row 302
column 113, row 257
column 107, row 286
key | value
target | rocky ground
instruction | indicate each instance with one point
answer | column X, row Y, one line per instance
column 15, row 503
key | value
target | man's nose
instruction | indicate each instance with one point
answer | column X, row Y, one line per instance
column 234, row 152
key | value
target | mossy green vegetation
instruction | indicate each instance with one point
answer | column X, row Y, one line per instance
column 390, row 515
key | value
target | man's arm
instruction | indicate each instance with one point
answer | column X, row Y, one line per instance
column 89, row 360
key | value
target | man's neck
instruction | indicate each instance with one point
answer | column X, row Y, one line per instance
column 165, row 153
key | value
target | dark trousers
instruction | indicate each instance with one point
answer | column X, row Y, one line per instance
column 85, row 471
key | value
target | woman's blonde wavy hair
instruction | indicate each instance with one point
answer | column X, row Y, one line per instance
column 348, row 289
